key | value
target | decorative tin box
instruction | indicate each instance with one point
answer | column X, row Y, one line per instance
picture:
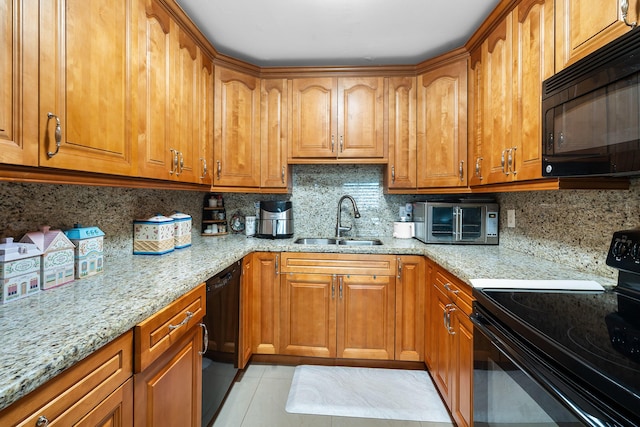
column 19, row 270
column 57, row 267
column 89, row 256
column 153, row 236
column 182, row 230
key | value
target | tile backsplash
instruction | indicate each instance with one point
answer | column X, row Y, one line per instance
column 572, row 227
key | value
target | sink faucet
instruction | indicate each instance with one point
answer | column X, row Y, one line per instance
column 356, row 214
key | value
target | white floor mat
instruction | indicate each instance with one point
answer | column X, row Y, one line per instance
column 366, row 393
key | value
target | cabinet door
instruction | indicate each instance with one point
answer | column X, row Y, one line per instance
column 308, row 316
column 247, row 289
column 274, row 134
column 462, row 398
column 410, row 300
column 115, row 410
column 401, row 170
column 157, row 34
column 205, row 123
column 443, row 353
column 86, row 81
column 532, row 64
column 497, row 67
column 360, row 117
column 236, row 146
column 583, row 26
column 313, row 118
column 185, row 126
column 366, row 317
column 18, row 82
column 266, row 303
column 442, row 126
column 169, row 391
column 475, row 121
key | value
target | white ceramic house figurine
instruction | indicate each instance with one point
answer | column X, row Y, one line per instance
column 19, row 270
column 89, row 253
column 57, row 267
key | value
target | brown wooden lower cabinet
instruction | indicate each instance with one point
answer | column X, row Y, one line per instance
column 449, row 344
column 96, row 391
column 168, row 364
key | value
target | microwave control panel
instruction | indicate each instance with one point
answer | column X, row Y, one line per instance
column 492, row 224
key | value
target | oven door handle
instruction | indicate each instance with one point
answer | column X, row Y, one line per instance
column 537, row 372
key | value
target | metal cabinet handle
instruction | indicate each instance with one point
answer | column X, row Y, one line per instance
column 512, row 160
column 478, row 167
column 277, row 264
column 42, row 421
column 461, row 170
column 341, row 144
column 399, row 268
column 333, row 142
column 333, row 287
column 340, row 287
column 447, row 286
column 451, row 309
column 188, row 317
column 624, row 8
column 174, row 160
column 57, row 135
column 502, row 161
column 561, row 139
column 204, row 167
column 179, row 163
column 219, row 169
column 393, row 173
column 283, row 168
column 205, row 338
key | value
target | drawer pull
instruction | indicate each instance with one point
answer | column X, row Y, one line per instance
column 447, row 286
column 57, row 137
column 184, row 322
column 42, row 421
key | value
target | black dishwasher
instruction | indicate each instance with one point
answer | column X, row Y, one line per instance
column 220, row 361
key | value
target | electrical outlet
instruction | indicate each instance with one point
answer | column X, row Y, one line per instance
column 511, row 218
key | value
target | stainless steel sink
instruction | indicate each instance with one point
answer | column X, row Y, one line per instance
column 333, row 241
column 359, row 242
column 315, row 241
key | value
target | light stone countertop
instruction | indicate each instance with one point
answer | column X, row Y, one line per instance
column 48, row 332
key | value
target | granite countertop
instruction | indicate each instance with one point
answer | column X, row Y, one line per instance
column 48, row 332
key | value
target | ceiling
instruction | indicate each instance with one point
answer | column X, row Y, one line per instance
column 336, row 32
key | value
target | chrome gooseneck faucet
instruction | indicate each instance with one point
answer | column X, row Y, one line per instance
column 356, row 214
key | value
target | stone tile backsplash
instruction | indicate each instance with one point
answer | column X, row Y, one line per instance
column 572, row 227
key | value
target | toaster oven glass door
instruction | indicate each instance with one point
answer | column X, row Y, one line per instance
column 455, row 224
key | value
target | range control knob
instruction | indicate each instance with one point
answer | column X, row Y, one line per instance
column 635, row 251
column 619, row 249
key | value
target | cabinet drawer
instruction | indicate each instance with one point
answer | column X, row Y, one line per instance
column 457, row 291
column 69, row 397
column 157, row 333
column 356, row 264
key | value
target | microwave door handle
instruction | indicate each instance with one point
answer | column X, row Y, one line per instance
column 457, row 216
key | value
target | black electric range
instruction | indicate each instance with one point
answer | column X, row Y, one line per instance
column 590, row 338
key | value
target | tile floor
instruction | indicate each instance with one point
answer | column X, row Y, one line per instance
column 259, row 398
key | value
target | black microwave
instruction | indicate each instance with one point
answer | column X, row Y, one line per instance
column 591, row 113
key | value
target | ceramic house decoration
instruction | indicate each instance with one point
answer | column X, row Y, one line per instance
column 182, row 230
column 89, row 258
column 57, row 266
column 153, row 236
column 19, row 270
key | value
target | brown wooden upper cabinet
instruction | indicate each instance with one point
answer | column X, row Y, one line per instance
column 236, row 148
column 583, row 26
column 337, row 118
column 506, row 75
column 18, row 82
column 274, row 135
column 442, row 126
column 86, row 81
column 175, row 112
column 401, row 170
